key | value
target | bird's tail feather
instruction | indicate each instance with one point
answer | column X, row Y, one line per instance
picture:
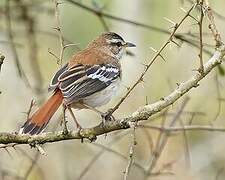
column 41, row 117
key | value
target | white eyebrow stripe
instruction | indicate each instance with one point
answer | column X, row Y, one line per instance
column 114, row 40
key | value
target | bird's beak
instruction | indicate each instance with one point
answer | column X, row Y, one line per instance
column 128, row 44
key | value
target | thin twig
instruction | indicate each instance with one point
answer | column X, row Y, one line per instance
column 219, row 97
column 212, row 26
column 200, row 23
column 59, row 29
column 30, row 24
column 101, row 18
column 143, row 113
column 99, row 13
column 214, row 12
column 100, row 153
column 186, row 146
column 19, row 68
column 154, row 155
column 163, row 137
column 158, row 53
column 219, row 172
column 53, row 54
column 131, row 152
column 139, row 166
column 33, row 164
column 10, row 34
column 6, row 173
column 149, row 139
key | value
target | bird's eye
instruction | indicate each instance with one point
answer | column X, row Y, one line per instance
column 118, row 44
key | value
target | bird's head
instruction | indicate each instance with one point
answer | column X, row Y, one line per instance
column 112, row 44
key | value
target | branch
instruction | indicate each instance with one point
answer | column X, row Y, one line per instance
column 59, row 29
column 163, row 138
column 143, row 113
column 29, row 21
column 101, row 14
column 158, row 54
column 9, row 31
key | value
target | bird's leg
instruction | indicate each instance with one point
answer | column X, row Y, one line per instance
column 106, row 116
column 74, row 118
column 63, row 122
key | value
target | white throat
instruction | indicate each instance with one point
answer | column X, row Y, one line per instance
column 120, row 54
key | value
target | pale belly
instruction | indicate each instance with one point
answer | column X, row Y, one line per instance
column 102, row 97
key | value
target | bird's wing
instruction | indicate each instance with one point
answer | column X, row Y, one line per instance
column 81, row 81
column 54, row 83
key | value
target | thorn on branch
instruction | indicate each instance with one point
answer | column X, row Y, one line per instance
column 195, row 19
column 57, row 28
column 160, row 55
column 71, row 44
column 196, row 85
column 2, row 57
column 53, row 54
column 212, row 26
column 153, row 49
column 58, row 3
column 183, row 10
column 146, row 100
column 142, row 79
column 98, row 12
column 178, row 45
column 170, row 21
column 145, row 65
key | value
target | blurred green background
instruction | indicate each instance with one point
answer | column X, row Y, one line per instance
column 32, row 25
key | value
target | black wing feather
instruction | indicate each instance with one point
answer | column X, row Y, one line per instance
column 55, row 82
column 84, row 89
column 81, row 81
column 71, row 72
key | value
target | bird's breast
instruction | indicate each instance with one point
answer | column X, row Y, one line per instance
column 103, row 97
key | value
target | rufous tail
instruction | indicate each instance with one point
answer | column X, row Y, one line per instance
column 41, row 117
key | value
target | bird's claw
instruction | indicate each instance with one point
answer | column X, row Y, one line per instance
column 79, row 129
column 107, row 116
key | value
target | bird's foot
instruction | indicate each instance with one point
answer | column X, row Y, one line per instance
column 63, row 123
column 79, row 129
column 107, row 116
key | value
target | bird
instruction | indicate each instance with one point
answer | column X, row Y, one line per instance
column 88, row 80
